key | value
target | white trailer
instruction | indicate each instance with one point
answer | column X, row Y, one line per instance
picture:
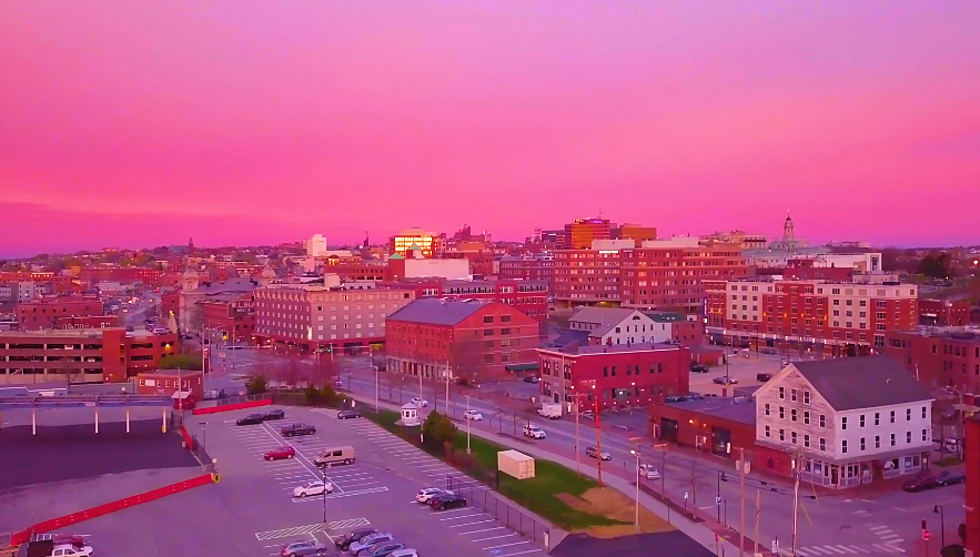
column 516, row 464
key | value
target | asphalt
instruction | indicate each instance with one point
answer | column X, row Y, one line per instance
column 674, row 544
column 75, row 452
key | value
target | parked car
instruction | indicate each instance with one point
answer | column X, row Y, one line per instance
column 69, row 550
column 338, row 383
column 950, row 478
column 315, row 487
column 380, row 549
column 368, row 541
column 699, row 368
column 649, row 472
column 447, row 501
column 534, row 432
column 594, row 453
column 420, row 402
column 251, row 419
column 281, row 453
column 725, row 380
column 675, row 398
column 763, row 377
column 531, row 379
column 348, row 414
column 404, row 552
column 473, row 415
column 303, row 548
column 427, row 493
column 275, row 415
column 298, row 429
column 343, row 542
column 767, row 350
column 921, row 484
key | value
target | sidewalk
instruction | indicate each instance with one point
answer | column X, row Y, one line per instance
column 704, row 532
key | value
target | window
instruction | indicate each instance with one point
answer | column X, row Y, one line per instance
column 806, row 397
column 877, row 420
column 923, row 412
column 823, row 420
column 843, row 422
column 806, row 418
column 823, row 444
column 861, row 420
column 792, row 395
column 908, row 414
column 605, row 371
column 877, row 441
column 505, row 319
column 488, row 332
column 768, row 432
column 806, row 441
column 792, row 414
column 767, row 409
column 782, row 434
column 892, row 416
column 862, row 444
column 782, row 393
column 925, row 435
column 893, row 439
column 505, row 331
column 782, row 413
column 488, row 319
column 908, row 436
column 843, row 446
column 792, row 437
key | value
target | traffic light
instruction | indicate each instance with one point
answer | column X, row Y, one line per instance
column 224, row 336
column 923, row 524
column 329, row 348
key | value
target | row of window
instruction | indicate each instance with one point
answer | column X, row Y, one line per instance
column 862, row 443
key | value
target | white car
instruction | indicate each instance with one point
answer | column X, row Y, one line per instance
column 473, row 415
column 427, row 493
column 316, row 487
column 420, row 402
column 649, row 472
column 534, row 432
column 68, row 550
column 404, row 553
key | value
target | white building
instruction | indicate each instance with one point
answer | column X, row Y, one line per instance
column 450, row 269
column 852, row 420
column 618, row 326
column 316, row 246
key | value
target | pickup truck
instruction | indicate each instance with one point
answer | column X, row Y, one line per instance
column 48, row 548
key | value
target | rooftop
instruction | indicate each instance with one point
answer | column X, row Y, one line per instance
column 612, row 348
column 77, row 333
column 436, row 311
column 602, row 316
column 866, row 382
column 726, row 408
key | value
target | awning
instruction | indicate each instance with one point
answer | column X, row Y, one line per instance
column 521, row 367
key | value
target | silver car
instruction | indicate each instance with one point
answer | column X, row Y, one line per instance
column 368, row 541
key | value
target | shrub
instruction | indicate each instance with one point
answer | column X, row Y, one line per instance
column 257, row 386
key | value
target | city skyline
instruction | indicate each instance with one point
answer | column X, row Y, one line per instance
column 313, row 118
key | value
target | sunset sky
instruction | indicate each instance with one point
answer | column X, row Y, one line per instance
column 141, row 123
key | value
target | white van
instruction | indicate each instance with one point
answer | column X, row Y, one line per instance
column 334, row 456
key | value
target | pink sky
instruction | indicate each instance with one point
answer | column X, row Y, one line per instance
column 143, row 123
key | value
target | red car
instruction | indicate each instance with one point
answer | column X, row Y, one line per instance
column 280, row 453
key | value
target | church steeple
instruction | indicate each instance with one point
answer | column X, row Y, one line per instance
column 788, row 228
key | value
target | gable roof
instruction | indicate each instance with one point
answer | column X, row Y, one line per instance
column 602, row 316
column 864, row 382
column 437, row 311
column 569, row 336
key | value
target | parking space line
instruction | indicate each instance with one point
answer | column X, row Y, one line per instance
column 470, row 523
column 461, row 517
column 311, row 468
column 493, row 537
column 367, row 491
column 372, row 482
column 520, row 553
column 507, row 545
column 482, row 530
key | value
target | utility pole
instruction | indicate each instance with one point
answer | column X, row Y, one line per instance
column 694, row 485
column 447, row 385
column 578, row 466
column 758, row 505
column 598, row 436
column 741, row 489
column 796, row 497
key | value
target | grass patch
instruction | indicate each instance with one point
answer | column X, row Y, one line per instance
column 948, row 461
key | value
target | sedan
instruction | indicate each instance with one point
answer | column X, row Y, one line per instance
column 303, row 548
column 405, row 552
column 532, row 379
column 594, row 453
column 724, row 380
column 763, row 377
column 447, row 501
column 921, row 484
column 649, row 472
column 699, row 368
column 427, row 493
column 298, row 429
column 281, row 453
column 420, row 402
column 316, row 487
column 380, row 549
column 343, row 542
column 338, row 383
column 251, row 419
column 275, row 415
column 950, row 478
column 368, row 541
column 348, row 414
column 473, row 415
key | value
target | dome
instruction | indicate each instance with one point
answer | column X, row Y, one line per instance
column 190, row 273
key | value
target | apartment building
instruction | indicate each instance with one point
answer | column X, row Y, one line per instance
column 939, row 356
column 317, row 316
column 45, row 313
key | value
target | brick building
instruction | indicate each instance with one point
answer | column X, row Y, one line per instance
column 476, row 341
column 89, row 322
column 972, row 502
column 232, row 315
column 539, row 266
column 827, row 317
column 580, row 233
column 612, row 376
column 170, row 303
column 939, row 357
column 165, row 382
column 45, row 313
column 355, row 270
column 530, row 297
column 125, row 275
column 317, row 316
column 80, row 355
column 944, row 314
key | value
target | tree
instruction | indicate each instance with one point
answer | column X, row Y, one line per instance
column 182, row 361
column 935, row 266
column 256, row 386
column 438, row 429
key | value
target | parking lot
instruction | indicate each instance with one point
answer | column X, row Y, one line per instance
column 252, row 511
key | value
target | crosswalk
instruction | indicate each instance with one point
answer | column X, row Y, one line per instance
column 844, row 549
column 885, row 534
column 299, row 531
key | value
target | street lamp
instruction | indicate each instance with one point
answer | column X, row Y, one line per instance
column 377, row 388
column 938, row 509
column 636, row 512
column 468, row 420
